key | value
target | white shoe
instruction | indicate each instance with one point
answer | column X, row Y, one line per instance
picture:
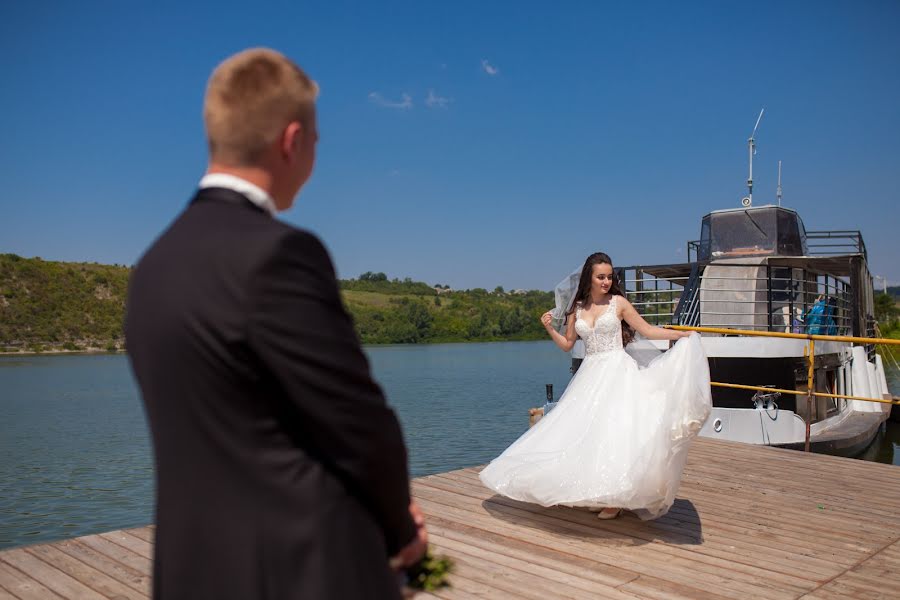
column 609, row 515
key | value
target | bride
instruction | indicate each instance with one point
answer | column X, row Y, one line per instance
column 618, row 437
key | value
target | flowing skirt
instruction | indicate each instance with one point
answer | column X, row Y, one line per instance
column 618, row 437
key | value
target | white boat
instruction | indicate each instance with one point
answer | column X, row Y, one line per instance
column 759, row 269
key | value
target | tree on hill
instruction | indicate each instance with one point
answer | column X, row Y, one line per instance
column 370, row 276
column 885, row 308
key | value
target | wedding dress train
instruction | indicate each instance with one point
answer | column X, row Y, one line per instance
column 620, row 433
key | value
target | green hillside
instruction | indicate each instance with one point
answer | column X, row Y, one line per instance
column 402, row 312
column 54, row 306
column 47, row 305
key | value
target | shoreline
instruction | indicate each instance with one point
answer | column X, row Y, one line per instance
column 93, row 351
column 54, row 352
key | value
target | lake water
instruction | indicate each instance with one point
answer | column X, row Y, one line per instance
column 75, row 452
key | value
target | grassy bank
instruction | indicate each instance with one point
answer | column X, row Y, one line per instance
column 49, row 306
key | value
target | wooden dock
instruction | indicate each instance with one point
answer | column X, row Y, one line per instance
column 749, row 522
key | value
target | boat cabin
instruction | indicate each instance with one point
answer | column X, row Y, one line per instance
column 746, row 232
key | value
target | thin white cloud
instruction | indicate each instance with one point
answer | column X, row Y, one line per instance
column 405, row 102
column 489, row 68
column 435, row 101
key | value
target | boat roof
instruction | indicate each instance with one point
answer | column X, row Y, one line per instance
column 747, row 208
column 840, row 266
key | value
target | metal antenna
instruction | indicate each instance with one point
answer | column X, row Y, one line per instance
column 751, row 143
column 778, row 192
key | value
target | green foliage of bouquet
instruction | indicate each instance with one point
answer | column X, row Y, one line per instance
column 429, row 574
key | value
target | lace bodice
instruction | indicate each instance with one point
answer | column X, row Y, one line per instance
column 606, row 334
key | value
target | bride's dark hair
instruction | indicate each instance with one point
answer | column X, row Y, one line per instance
column 583, row 293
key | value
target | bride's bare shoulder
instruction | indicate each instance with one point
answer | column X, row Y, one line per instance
column 622, row 304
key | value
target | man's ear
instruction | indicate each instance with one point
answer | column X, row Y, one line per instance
column 291, row 139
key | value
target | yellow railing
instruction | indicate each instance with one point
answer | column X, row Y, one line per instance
column 810, row 356
column 796, row 336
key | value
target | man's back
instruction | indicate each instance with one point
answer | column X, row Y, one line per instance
column 255, row 388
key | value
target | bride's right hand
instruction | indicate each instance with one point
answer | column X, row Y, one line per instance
column 547, row 318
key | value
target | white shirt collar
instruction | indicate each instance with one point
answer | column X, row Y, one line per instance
column 253, row 192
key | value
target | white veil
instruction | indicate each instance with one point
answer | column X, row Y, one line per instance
column 640, row 349
column 563, row 293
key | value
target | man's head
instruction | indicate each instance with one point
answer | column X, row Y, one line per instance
column 260, row 117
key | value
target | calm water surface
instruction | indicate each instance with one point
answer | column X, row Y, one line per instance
column 74, row 446
column 75, row 452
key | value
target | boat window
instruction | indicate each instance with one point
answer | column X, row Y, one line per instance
column 703, row 253
column 742, row 233
column 790, row 240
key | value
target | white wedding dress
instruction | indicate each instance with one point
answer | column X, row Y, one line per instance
column 620, row 433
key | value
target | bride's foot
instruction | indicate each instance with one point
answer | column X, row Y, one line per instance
column 609, row 513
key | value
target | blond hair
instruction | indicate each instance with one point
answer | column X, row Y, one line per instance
column 250, row 98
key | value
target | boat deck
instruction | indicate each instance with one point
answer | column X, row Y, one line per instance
column 749, row 522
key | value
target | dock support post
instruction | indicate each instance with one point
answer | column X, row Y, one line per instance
column 810, row 382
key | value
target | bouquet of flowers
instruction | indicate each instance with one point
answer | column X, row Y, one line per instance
column 429, row 574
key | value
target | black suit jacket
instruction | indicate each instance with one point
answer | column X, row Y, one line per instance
column 281, row 472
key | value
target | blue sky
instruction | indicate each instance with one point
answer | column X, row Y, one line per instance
column 469, row 143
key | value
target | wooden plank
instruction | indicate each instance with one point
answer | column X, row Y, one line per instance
column 21, row 585
column 660, row 589
column 810, row 542
column 813, row 519
column 637, row 529
column 794, row 527
column 824, row 462
column 875, row 577
column 96, row 580
column 116, row 552
column 838, row 484
column 49, row 575
column 137, row 580
column 835, row 490
column 823, row 492
column 4, row 595
column 575, row 586
column 754, row 571
column 463, row 588
column 148, row 533
column 617, row 551
column 873, row 584
column 512, row 582
column 691, row 484
column 567, row 562
column 576, row 565
column 780, row 511
column 814, row 465
column 126, row 540
column 843, row 590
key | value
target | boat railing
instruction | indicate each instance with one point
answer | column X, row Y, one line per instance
column 810, row 355
column 687, row 312
column 834, row 243
column 693, row 250
column 745, row 296
column 818, row 243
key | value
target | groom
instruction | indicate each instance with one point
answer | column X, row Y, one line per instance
column 280, row 470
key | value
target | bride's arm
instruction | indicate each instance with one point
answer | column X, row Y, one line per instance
column 565, row 342
column 631, row 316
